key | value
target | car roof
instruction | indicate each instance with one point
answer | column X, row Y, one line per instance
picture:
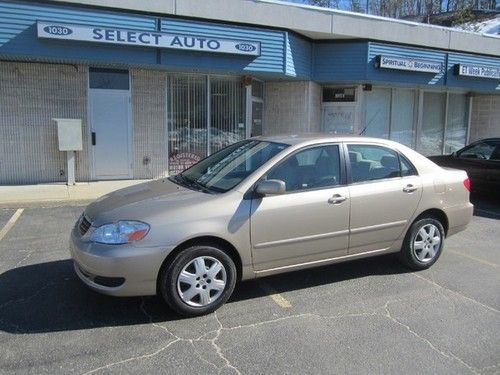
column 313, row 138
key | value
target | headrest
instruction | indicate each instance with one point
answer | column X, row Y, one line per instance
column 390, row 162
column 355, row 156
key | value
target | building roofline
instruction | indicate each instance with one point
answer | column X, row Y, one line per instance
column 313, row 22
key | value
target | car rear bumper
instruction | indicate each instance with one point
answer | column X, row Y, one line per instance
column 117, row 270
column 459, row 217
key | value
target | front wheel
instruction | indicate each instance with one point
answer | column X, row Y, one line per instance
column 198, row 281
column 423, row 244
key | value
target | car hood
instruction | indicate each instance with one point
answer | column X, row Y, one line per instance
column 143, row 201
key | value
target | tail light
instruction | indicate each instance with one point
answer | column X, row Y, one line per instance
column 467, row 183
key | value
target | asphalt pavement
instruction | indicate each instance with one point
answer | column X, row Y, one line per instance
column 366, row 316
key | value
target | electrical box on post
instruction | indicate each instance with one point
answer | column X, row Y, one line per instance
column 69, row 134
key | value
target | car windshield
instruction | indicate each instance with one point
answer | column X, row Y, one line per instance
column 226, row 168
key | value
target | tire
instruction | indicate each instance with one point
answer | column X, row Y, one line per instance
column 420, row 249
column 201, row 288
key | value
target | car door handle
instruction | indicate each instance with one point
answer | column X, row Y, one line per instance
column 93, row 139
column 336, row 199
column 409, row 188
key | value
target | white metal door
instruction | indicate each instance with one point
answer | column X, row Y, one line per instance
column 110, row 134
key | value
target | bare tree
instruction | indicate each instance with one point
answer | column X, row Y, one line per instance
column 403, row 8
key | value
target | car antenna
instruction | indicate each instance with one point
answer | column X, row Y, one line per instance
column 362, row 132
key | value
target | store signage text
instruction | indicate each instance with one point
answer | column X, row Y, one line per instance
column 179, row 162
column 50, row 30
column 477, row 71
column 414, row 65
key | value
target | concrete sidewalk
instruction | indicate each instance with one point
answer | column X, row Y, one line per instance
column 58, row 193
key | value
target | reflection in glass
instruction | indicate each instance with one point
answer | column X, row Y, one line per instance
column 456, row 127
column 192, row 133
column 403, row 116
column 187, row 120
column 109, row 79
column 431, row 137
column 226, row 168
column 227, row 112
column 378, row 106
column 256, row 119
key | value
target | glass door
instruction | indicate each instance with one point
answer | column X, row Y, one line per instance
column 257, row 108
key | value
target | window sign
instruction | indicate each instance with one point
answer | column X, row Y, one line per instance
column 339, row 94
column 479, row 71
column 141, row 38
column 414, row 65
column 339, row 119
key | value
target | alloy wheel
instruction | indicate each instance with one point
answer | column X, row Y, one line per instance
column 426, row 243
column 202, row 281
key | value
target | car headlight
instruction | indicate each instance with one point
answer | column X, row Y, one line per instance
column 120, row 232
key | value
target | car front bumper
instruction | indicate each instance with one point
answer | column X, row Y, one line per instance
column 117, row 270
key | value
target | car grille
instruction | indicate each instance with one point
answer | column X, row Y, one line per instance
column 84, row 225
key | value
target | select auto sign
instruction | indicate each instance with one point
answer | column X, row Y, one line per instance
column 111, row 35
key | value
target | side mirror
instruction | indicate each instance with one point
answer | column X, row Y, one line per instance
column 270, row 187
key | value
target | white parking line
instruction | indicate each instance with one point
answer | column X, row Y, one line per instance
column 474, row 258
column 10, row 223
column 275, row 296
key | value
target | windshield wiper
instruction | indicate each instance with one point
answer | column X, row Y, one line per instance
column 192, row 183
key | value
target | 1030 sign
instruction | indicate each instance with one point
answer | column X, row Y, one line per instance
column 58, row 30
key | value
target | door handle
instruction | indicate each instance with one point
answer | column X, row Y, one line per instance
column 336, row 199
column 409, row 188
column 93, row 139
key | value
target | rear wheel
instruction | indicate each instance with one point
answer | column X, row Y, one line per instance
column 423, row 244
column 198, row 281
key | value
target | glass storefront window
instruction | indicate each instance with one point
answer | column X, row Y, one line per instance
column 187, row 120
column 403, row 116
column 456, row 127
column 377, row 114
column 227, row 112
column 198, row 125
column 392, row 113
column 431, row 135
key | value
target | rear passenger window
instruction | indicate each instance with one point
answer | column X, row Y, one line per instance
column 407, row 169
column 312, row 168
column 370, row 162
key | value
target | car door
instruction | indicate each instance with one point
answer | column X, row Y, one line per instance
column 310, row 221
column 478, row 160
column 384, row 192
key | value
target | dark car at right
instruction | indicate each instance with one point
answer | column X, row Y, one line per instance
column 481, row 161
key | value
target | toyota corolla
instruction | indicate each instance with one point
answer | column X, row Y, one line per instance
column 265, row 206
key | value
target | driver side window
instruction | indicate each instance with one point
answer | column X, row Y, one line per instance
column 481, row 150
column 312, row 168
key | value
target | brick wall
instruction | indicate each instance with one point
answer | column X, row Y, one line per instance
column 30, row 96
column 291, row 107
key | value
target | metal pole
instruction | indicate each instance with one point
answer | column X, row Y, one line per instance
column 70, row 157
